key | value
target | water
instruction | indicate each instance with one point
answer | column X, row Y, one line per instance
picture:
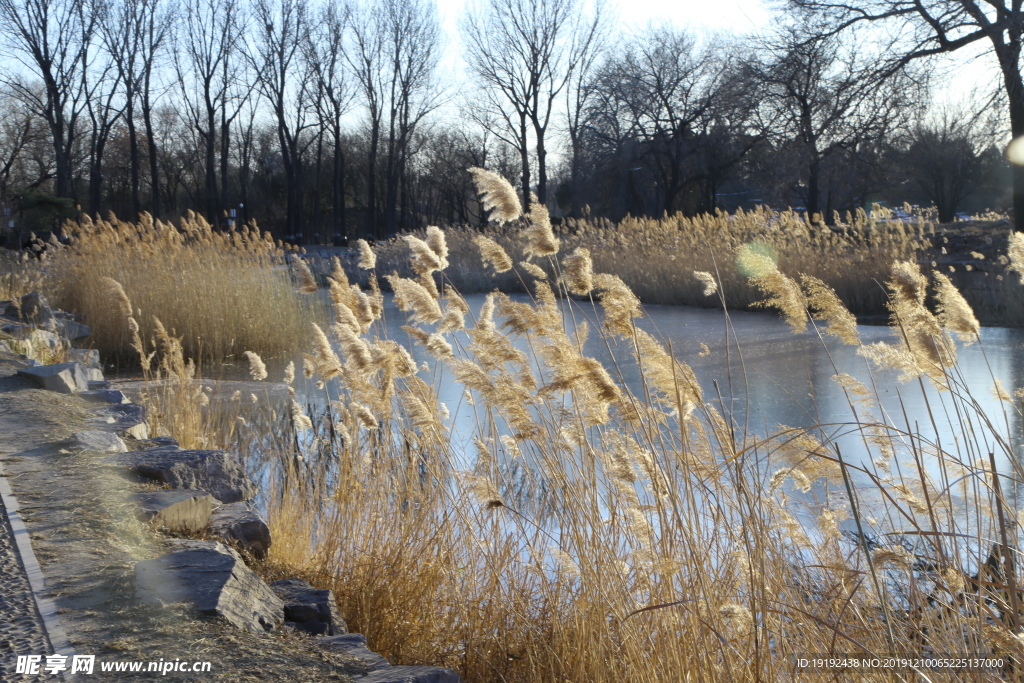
column 767, row 376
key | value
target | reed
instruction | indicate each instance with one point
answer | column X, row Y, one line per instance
column 587, row 529
column 221, row 293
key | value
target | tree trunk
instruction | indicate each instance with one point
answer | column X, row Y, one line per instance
column 542, row 169
column 133, row 154
column 371, row 182
column 1015, row 94
column 225, row 147
column 338, row 192
column 211, row 168
column 154, row 179
column 813, row 188
column 524, row 154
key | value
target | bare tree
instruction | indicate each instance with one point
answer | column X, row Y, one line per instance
column 366, row 60
column 413, row 48
column 52, row 39
column 282, row 31
column 395, row 52
column 943, row 157
column 525, row 52
column 325, row 54
column 926, row 28
column 207, row 76
column 819, row 97
column 101, row 86
column 18, row 130
column 655, row 97
column 134, row 33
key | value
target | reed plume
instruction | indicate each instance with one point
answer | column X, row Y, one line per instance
column 256, row 367
column 493, row 253
column 579, row 271
column 497, row 195
column 367, row 257
column 307, row 283
column 708, row 280
column 540, row 239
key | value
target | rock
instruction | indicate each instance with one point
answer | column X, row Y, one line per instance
column 161, row 442
column 93, row 375
column 33, row 308
column 238, row 523
column 214, row 579
column 5, row 348
column 103, row 442
column 176, row 510
column 412, row 674
column 70, row 329
column 354, row 645
column 32, row 338
column 67, row 378
column 219, row 472
column 89, row 358
column 99, row 385
column 18, row 330
column 104, row 396
column 308, row 609
column 127, row 419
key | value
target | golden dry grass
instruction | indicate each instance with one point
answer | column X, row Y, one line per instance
column 656, row 258
column 221, row 293
column 590, row 531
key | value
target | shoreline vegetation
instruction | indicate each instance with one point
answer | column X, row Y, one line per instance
column 586, row 530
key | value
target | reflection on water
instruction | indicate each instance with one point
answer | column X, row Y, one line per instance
column 768, row 376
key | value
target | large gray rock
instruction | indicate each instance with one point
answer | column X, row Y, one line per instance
column 176, row 510
column 104, row 396
column 217, row 472
column 412, row 674
column 214, row 579
column 237, row 523
column 354, row 645
column 89, row 358
column 127, row 419
column 308, row 609
column 67, row 378
column 166, row 442
column 33, row 308
column 94, row 440
column 70, row 329
column 94, row 375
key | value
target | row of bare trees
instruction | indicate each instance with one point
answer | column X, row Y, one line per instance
column 328, row 120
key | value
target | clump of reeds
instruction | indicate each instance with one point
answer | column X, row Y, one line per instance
column 584, row 526
column 656, row 257
column 221, row 292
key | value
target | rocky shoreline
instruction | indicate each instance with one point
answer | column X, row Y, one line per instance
column 105, row 505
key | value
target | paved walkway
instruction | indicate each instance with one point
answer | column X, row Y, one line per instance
column 22, row 631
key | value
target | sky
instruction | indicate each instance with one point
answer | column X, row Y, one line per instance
column 737, row 17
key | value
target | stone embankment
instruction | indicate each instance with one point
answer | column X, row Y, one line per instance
column 63, row 429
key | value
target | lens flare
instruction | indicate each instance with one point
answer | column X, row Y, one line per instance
column 1015, row 151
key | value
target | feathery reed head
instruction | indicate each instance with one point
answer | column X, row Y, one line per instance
column 256, row 367
column 307, row 283
column 708, row 280
column 497, row 195
column 540, row 238
column 493, row 253
column 367, row 257
column 579, row 271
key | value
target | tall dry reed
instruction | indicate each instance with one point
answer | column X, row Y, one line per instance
column 221, row 293
column 589, row 530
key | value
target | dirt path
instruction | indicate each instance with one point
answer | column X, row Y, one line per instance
column 87, row 539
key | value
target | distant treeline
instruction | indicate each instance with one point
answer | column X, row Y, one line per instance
column 326, row 121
